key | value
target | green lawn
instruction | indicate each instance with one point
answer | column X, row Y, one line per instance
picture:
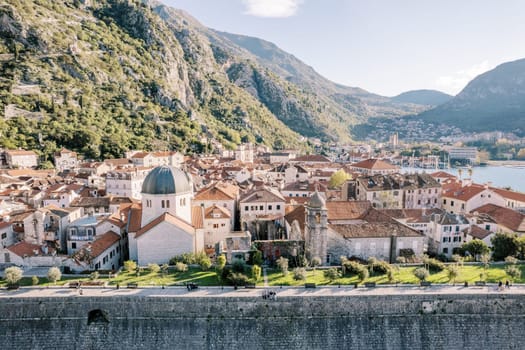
column 403, row 275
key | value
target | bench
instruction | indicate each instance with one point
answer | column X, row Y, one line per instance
column 133, row 285
column 425, row 284
column 370, row 284
column 480, row 283
column 249, row 286
column 13, row 286
column 309, row 285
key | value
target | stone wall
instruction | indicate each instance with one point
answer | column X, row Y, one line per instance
column 353, row 322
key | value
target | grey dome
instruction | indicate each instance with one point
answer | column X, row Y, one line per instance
column 317, row 201
column 166, row 180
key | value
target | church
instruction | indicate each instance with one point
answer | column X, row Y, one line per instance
column 163, row 227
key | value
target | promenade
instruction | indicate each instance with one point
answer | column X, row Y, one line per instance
column 229, row 292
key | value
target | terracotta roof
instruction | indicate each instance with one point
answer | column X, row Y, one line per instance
column 25, row 248
column 339, row 210
column 140, row 155
column 312, row 158
column 374, row 164
column 504, row 216
column 20, row 152
column 512, row 195
column 263, row 195
column 375, row 230
column 463, row 193
column 214, row 193
column 166, row 217
column 442, row 174
column 102, row 243
column 211, row 212
column 297, row 214
column 4, row 224
column 134, row 217
column 412, row 215
column 478, row 232
column 196, row 217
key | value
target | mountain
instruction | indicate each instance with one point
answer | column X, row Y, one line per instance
column 494, row 100
column 101, row 77
column 423, row 97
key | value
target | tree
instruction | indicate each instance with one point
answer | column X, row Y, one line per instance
column 299, row 274
column 256, row 272
column 421, row 273
column 12, row 275
column 35, row 281
column 316, row 261
column 504, row 245
column 338, row 178
column 54, row 274
column 453, row 273
column 94, row 276
column 331, row 274
column 257, row 258
column 476, row 248
column 205, row 263
column 130, row 265
column 282, row 263
column 221, row 261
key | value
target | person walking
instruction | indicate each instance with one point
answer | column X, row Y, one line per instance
column 507, row 284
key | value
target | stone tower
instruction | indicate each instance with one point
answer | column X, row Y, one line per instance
column 316, row 230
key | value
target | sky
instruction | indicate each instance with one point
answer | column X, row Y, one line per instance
column 383, row 46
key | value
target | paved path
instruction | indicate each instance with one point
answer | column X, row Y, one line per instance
column 241, row 292
column 265, row 277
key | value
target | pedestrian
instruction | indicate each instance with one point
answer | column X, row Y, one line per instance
column 80, row 291
column 507, row 284
column 500, row 286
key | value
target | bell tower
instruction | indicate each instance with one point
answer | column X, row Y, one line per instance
column 316, row 234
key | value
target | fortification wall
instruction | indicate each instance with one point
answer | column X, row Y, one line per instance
column 185, row 322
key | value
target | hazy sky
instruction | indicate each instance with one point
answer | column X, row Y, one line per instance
column 383, row 46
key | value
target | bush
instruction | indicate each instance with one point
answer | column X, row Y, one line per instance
column 363, row 274
column 130, row 265
column 153, row 268
column 205, row 263
column 94, row 276
column 54, row 274
column 378, row 266
column 238, row 279
column 331, row 274
column 256, row 272
column 299, row 274
column 453, row 272
column 353, row 267
column 164, row 268
column 12, row 275
column 457, row 258
column 511, row 260
column 401, row 260
column 181, row 267
column 421, row 273
column 35, row 281
column 407, row 253
column 282, row 264
column 513, row 271
column 316, row 261
column 186, row 258
column 434, row 265
column 238, row 265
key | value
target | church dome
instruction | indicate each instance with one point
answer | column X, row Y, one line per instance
column 166, row 180
column 316, row 201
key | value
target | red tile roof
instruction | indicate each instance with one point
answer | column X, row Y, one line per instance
column 340, row 210
column 166, row 217
column 374, row 164
column 503, row 216
column 103, row 242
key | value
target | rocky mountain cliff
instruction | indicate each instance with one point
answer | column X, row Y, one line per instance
column 423, row 97
column 494, row 100
column 104, row 76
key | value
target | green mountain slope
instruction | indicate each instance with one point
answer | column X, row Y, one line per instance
column 115, row 76
column 423, row 97
column 494, row 100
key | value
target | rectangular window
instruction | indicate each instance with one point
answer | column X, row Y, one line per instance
column 245, row 208
column 445, row 239
column 444, row 201
column 278, row 207
column 4, row 235
column 74, row 245
column 261, row 207
column 451, row 203
column 269, row 207
column 215, row 225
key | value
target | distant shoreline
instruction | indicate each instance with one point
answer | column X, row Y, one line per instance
column 517, row 163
